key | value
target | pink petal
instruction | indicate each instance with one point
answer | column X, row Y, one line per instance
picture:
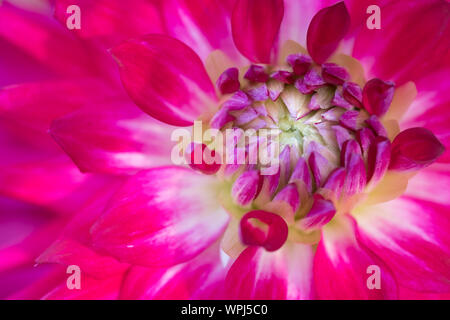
column 202, row 159
column 256, row 74
column 200, row 278
column 335, row 183
column 319, row 166
column 320, row 214
column 342, row 135
column 300, row 63
column 208, row 23
column 112, row 22
column 301, row 174
column 245, row 187
column 237, row 101
column 255, row 26
column 228, row 81
column 353, row 94
column 334, row 74
column 356, row 179
column 297, row 18
column 411, row 50
column 165, row 78
column 259, row 274
column 378, row 159
column 349, row 148
column 349, row 120
column 160, row 208
column 49, row 43
column 68, row 252
column 415, row 148
column 28, row 109
column 377, row 96
column 326, row 30
column 341, row 267
column 411, row 233
column 113, row 138
column 253, row 234
column 375, row 124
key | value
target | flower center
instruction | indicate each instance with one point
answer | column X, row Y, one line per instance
column 322, row 148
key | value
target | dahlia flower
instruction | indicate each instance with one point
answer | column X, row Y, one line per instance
column 355, row 207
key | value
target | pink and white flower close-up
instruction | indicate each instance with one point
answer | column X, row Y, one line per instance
column 356, row 207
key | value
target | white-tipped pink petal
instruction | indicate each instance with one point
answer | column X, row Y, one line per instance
column 379, row 157
column 321, row 213
column 259, row 274
column 245, row 188
column 199, row 278
column 302, row 174
column 289, row 195
column 159, row 209
column 345, row 269
column 113, row 138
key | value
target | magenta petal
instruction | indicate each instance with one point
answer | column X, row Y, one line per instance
column 289, row 194
column 208, row 23
column 245, row 187
column 259, row 93
column 375, row 124
column 159, row 209
column 340, row 101
column 68, row 252
column 349, row 148
column 259, row 274
column 320, row 214
column 299, row 63
column 255, row 25
column 378, row 159
column 228, row 81
column 356, row 175
column 268, row 230
column 349, row 120
column 334, row 74
column 415, row 148
column 302, row 87
column 353, row 94
column 221, row 118
column 327, row 28
column 301, row 174
column 411, row 234
column 313, row 79
column 318, row 165
column 113, row 138
column 108, row 21
column 238, row 101
column 342, row 267
column 256, row 74
column 283, row 76
column 202, row 159
column 364, row 137
column 335, row 182
column 377, row 96
column 245, row 116
column 165, row 78
column 199, row 278
column 341, row 134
